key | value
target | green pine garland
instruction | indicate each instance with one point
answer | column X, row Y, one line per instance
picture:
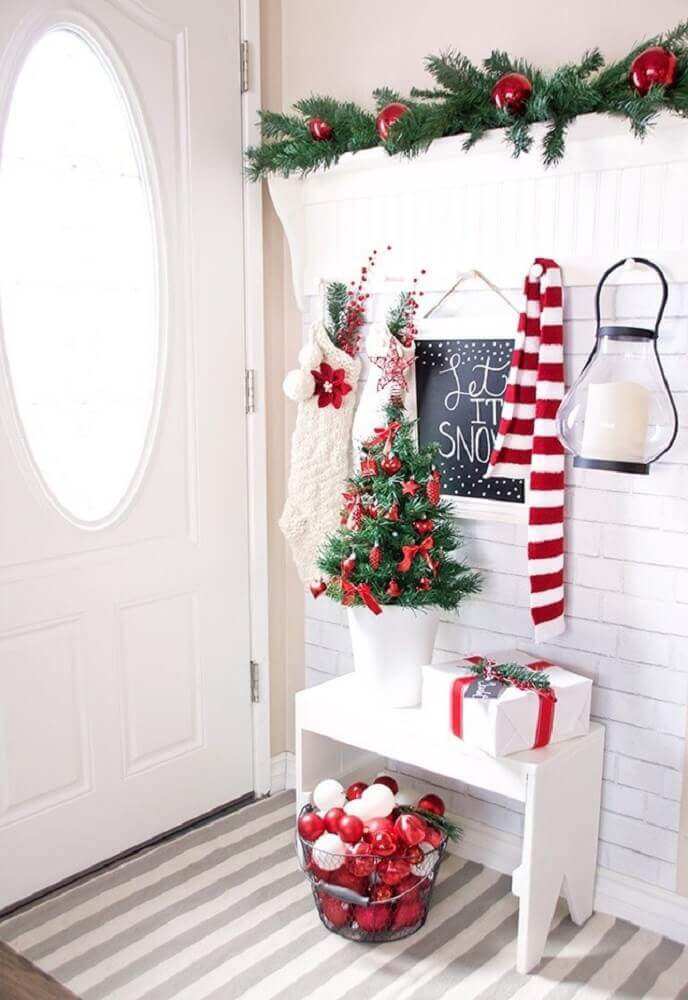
column 514, row 673
column 453, row 580
column 336, row 301
column 460, row 104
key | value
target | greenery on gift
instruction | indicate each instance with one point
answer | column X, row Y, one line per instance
column 397, row 540
column 469, row 100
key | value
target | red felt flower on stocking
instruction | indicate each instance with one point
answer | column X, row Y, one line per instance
column 330, row 385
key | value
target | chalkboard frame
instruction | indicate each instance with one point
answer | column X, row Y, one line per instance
column 493, row 327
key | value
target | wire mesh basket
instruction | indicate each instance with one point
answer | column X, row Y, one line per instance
column 367, row 897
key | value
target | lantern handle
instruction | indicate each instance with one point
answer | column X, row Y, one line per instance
column 624, row 263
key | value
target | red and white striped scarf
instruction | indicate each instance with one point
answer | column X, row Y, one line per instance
column 527, row 441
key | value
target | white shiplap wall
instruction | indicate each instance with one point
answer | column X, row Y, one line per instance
column 626, row 537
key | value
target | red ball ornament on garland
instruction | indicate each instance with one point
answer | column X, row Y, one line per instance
column 390, row 464
column 386, row 779
column 512, row 92
column 390, row 114
column 356, row 790
column 432, row 804
column 375, row 556
column 654, row 67
column 310, row 826
column 393, row 589
column 319, row 129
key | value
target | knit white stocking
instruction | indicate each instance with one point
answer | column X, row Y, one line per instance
column 320, row 452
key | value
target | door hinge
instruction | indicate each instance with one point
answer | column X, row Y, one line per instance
column 255, row 682
column 244, row 67
column 250, row 390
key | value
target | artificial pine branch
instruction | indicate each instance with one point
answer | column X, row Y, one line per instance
column 514, row 672
column 451, row 830
column 336, row 301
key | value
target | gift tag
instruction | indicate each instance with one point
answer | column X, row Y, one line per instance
column 485, row 688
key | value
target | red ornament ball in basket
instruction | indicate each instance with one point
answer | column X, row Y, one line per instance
column 432, row 804
column 350, row 829
column 512, row 92
column 356, row 790
column 388, row 117
column 411, row 830
column 310, row 826
column 386, row 779
column 332, row 819
column 654, row 67
column 360, row 861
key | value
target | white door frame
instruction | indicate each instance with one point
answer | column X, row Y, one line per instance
column 256, row 429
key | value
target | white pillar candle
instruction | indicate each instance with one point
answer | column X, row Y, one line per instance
column 616, row 419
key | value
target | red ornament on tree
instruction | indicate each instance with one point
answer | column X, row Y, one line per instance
column 390, row 464
column 356, row 790
column 369, row 467
column 319, row 129
column 393, row 589
column 424, row 526
column 310, row 826
column 349, row 564
column 433, row 487
column 424, row 583
column 393, row 512
column 390, row 114
column 409, row 488
column 655, row 67
column 432, row 804
column 317, row 587
column 512, row 92
column 375, row 556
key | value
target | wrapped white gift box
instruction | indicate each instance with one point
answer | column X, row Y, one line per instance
column 517, row 719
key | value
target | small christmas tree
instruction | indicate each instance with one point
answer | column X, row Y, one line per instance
column 396, row 539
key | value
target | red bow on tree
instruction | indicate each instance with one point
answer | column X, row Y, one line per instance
column 411, row 551
column 384, row 435
column 364, row 592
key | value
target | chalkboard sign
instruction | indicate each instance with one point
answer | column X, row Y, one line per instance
column 460, row 383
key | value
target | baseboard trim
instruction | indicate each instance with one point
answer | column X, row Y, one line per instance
column 283, row 772
column 622, row 896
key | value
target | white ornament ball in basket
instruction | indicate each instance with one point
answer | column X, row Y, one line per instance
column 377, row 801
column 310, row 356
column 406, row 797
column 357, row 808
column 328, row 852
column 298, row 385
column 328, row 794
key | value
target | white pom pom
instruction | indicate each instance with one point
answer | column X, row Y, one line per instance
column 378, row 800
column 298, row 385
column 355, row 808
column 328, row 852
column 406, row 797
column 329, row 794
column 377, row 341
column 423, row 868
column 310, row 356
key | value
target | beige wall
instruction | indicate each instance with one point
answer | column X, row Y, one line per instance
column 346, row 48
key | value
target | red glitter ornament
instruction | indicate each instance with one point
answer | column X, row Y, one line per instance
column 317, row 587
column 393, row 589
column 369, row 467
column 393, row 512
column 319, row 129
column 390, row 114
column 375, row 556
column 424, row 583
column 512, row 92
column 410, row 488
column 424, row 526
column 433, row 487
column 390, row 464
column 348, row 565
column 654, row 67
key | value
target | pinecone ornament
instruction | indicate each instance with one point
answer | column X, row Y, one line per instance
column 433, row 487
column 375, row 556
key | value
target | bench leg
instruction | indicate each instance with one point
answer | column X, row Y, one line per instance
column 559, row 848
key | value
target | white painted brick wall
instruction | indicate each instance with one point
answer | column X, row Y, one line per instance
column 627, row 591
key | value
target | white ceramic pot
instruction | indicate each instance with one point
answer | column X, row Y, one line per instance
column 390, row 649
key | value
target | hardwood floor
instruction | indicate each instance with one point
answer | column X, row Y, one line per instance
column 20, row 980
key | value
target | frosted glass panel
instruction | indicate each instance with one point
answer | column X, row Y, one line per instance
column 78, row 275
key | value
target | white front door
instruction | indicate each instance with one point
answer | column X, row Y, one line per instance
column 124, row 616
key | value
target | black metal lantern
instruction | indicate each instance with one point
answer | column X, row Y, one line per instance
column 619, row 414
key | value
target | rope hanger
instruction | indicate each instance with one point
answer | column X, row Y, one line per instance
column 468, row 276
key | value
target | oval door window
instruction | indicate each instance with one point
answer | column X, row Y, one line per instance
column 78, row 277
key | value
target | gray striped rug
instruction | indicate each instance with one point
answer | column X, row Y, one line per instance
column 223, row 912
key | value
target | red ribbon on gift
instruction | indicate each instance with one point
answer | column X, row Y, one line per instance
column 384, row 435
column 411, row 551
column 547, row 700
column 364, row 592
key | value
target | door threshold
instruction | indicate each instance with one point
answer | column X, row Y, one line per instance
column 83, row 876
